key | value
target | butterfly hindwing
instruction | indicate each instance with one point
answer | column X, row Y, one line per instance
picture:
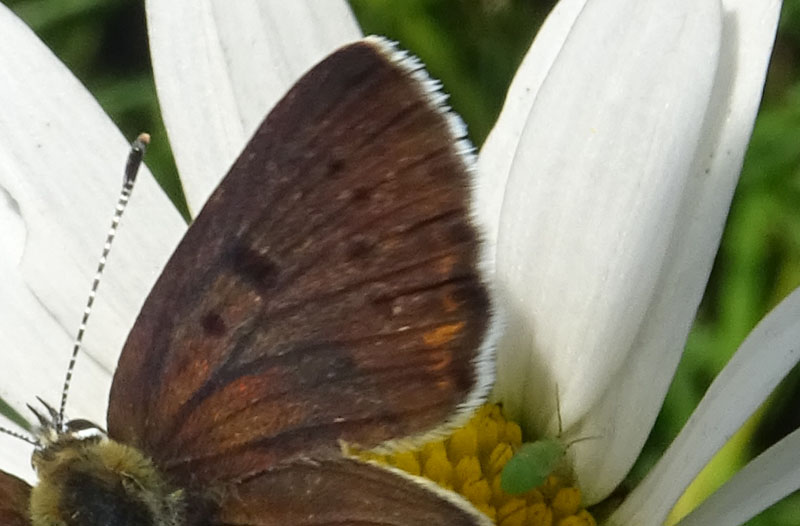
column 14, row 500
column 328, row 291
column 343, row 492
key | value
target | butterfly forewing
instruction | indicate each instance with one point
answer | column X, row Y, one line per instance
column 14, row 500
column 328, row 290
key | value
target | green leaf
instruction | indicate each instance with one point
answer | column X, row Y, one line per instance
column 9, row 412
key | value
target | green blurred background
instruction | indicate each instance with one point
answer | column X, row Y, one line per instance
column 474, row 47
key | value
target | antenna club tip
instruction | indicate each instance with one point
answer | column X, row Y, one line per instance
column 144, row 138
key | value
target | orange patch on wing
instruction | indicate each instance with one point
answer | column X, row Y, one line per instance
column 443, row 334
column 197, row 368
column 443, row 361
column 446, row 264
column 243, row 387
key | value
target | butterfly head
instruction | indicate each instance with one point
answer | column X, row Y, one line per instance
column 53, row 430
column 87, row 479
column 56, row 438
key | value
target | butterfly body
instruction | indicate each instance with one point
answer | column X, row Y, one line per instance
column 331, row 292
column 95, row 481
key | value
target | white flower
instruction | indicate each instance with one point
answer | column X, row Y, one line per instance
column 607, row 180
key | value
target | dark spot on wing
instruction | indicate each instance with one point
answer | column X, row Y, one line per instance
column 335, row 167
column 362, row 193
column 359, row 247
column 472, row 295
column 255, row 267
column 213, row 324
column 461, row 232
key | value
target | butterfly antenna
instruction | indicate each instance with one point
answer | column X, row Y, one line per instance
column 29, row 440
column 558, row 411
column 135, row 156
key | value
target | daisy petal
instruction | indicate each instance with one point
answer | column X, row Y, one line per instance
column 747, row 35
column 61, row 165
column 624, row 229
column 220, row 66
column 637, row 390
column 763, row 359
column 497, row 154
column 592, row 202
column 763, row 482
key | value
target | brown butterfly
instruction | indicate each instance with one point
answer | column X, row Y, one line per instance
column 330, row 294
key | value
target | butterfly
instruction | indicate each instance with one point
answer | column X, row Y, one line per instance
column 331, row 294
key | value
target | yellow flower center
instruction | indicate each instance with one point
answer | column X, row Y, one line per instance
column 469, row 462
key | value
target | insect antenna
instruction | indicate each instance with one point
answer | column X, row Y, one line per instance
column 131, row 169
column 25, row 438
column 581, row 439
column 558, row 410
column 569, row 444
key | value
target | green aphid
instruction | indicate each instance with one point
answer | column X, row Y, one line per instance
column 531, row 465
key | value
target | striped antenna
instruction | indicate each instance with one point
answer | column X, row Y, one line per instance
column 29, row 440
column 131, row 169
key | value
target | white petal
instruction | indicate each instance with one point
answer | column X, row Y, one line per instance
column 763, row 359
column 613, row 294
column 593, row 198
column 61, row 164
column 494, row 163
column 763, row 482
column 637, row 391
column 220, row 66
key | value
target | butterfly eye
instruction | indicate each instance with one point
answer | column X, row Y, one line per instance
column 82, row 426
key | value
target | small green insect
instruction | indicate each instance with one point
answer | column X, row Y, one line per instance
column 531, row 465
column 535, row 461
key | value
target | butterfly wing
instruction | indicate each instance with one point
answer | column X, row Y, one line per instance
column 15, row 497
column 343, row 492
column 329, row 290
